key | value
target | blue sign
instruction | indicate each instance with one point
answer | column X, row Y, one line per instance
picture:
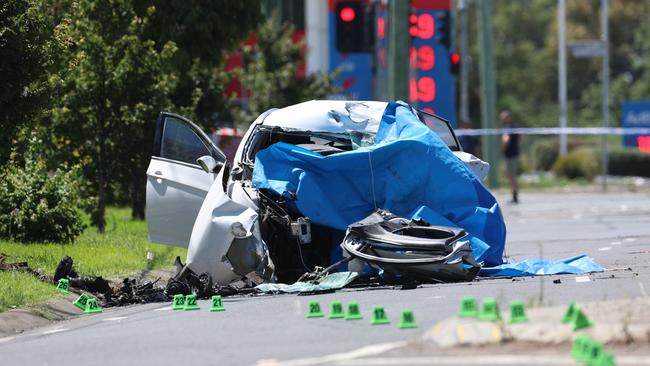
column 635, row 114
column 433, row 87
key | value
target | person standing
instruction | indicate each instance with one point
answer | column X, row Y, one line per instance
column 510, row 150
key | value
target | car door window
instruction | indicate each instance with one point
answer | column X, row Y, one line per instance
column 442, row 129
column 180, row 143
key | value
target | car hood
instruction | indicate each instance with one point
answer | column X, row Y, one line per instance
column 334, row 116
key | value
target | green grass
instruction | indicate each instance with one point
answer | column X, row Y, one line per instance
column 120, row 252
column 18, row 289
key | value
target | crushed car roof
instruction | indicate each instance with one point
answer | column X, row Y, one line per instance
column 335, row 116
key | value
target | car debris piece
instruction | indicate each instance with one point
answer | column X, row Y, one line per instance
column 411, row 248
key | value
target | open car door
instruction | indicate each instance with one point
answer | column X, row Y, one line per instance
column 176, row 183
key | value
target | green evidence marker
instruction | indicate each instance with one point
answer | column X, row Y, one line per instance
column 407, row 320
column 314, row 310
column 353, row 312
column 217, row 304
column 379, row 316
column 336, row 310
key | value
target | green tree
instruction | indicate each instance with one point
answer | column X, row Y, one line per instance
column 270, row 70
column 114, row 82
column 25, row 59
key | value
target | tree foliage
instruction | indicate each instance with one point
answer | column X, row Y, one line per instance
column 25, row 59
column 114, row 82
column 270, row 72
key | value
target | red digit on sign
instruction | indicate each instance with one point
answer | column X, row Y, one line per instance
column 426, row 58
column 426, row 26
column 426, row 89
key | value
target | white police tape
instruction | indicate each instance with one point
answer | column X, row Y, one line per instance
column 554, row 131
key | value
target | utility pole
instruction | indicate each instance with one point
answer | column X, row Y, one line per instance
column 398, row 50
column 562, row 92
column 604, row 5
column 489, row 144
column 464, row 61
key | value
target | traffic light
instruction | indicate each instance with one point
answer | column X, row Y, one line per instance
column 443, row 29
column 354, row 27
column 454, row 63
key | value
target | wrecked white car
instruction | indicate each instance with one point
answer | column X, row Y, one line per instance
column 232, row 229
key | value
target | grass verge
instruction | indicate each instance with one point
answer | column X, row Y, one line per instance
column 120, row 252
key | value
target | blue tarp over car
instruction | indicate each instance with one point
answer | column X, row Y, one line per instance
column 408, row 171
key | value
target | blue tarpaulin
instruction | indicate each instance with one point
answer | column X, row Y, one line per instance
column 532, row 267
column 408, row 171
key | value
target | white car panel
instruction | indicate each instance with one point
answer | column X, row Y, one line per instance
column 175, row 193
column 222, row 222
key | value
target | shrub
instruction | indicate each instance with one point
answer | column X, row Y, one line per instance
column 579, row 163
column 545, row 152
column 37, row 205
column 629, row 163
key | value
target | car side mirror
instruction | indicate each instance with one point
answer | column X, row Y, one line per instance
column 207, row 163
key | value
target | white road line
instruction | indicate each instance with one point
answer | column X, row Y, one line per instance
column 603, row 249
column 371, row 350
column 486, row 360
column 627, row 240
column 583, row 279
column 52, row 331
column 615, row 243
column 116, row 318
column 163, row 309
column 466, row 360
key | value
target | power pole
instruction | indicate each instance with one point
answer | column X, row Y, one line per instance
column 604, row 5
column 489, row 144
column 464, row 61
column 562, row 92
column 398, row 50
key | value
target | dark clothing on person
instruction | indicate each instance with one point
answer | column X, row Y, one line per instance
column 512, row 147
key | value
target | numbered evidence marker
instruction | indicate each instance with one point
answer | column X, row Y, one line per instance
column 314, row 310
column 468, row 307
column 489, row 310
column 190, row 303
column 63, row 286
column 580, row 345
column 353, row 312
column 178, row 303
column 579, row 320
column 81, row 301
column 407, row 320
column 379, row 316
column 217, row 304
column 92, row 306
column 517, row 313
column 336, row 310
column 568, row 315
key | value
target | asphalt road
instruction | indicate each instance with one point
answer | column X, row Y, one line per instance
column 612, row 228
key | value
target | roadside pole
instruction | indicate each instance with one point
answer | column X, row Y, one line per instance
column 398, row 50
column 604, row 4
column 464, row 61
column 489, row 144
column 562, row 92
